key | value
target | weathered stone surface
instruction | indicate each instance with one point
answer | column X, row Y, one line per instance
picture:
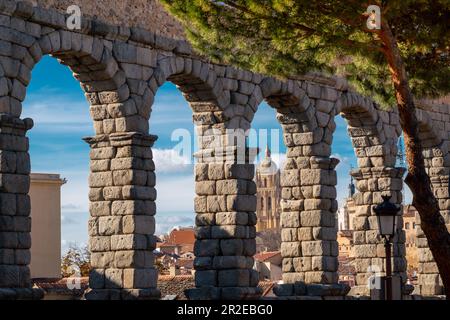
column 140, row 278
column 234, row 278
column 283, row 290
column 121, row 77
column 291, row 249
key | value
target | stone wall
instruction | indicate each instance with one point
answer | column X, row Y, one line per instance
column 435, row 129
column 147, row 14
column 120, row 70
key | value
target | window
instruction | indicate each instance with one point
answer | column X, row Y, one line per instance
column 414, row 225
column 270, row 203
column 262, row 203
column 407, row 225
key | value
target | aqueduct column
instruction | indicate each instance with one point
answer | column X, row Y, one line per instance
column 434, row 128
column 122, row 222
column 225, row 222
column 429, row 281
column 15, row 220
column 374, row 133
column 368, row 250
column 438, row 161
column 308, row 219
column 309, row 246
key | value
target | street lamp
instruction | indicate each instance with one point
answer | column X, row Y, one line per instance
column 386, row 213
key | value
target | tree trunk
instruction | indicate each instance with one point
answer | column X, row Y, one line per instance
column 417, row 178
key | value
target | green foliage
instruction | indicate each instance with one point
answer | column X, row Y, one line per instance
column 291, row 37
column 76, row 258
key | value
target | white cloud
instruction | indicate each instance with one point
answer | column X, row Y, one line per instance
column 70, row 206
column 175, row 193
column 59, row 109
column 66, row 220
column 75, row 193
column 170, row 161
column 279, row 159
column 165, row 223
column 344, row 161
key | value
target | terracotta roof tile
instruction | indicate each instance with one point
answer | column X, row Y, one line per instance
column 60, row 286
column 175, row 285
column 263, row 256
column 182, row 236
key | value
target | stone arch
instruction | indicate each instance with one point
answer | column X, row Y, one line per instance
column 434, row 134
column 288, row 98
column 92, row 64
column 196, row 79
column 374, row 133
column 309, row 248
column 121, row 180
column 224, row 220
column 201, row 84
column 431, row 132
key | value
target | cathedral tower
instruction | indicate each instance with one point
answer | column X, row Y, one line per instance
column 268, row 194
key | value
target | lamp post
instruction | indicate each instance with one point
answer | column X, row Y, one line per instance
column 386, row 213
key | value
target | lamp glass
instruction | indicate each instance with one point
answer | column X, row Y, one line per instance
column 386, row 224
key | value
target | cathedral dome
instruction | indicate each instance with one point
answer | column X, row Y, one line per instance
column 267, row 165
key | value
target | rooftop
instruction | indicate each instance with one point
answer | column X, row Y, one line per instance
column 182, row 236
column 263, row 256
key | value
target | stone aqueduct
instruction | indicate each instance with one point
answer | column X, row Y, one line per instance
column 120, row 70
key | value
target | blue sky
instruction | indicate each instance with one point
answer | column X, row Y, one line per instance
column 60, row 112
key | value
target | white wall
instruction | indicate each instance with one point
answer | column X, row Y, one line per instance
column 45, row 194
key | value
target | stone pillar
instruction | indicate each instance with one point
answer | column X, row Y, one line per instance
column 368, row 247
column 122, row 223
column 309, row 247
column 15, row 209
column 429, row 281
column 225, row 227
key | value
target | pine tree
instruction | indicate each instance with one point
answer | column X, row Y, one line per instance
column 404, row 57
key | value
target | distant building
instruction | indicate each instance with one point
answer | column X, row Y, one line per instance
column 188, row 256
column 182, row 235
column 347, row 270
column 169, row 248
column 409, row 225
column 268, row 265
column 347, row 211
column 45, row 196
column 345, row 242
column 268, row 194
column 179, row 241
column 175, row 252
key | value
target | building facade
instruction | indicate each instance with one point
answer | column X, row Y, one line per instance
column 347, row 212
column 45, row 196
column 410, row 227
column 268, row 194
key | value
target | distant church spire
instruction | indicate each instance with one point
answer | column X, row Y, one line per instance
column 268, row 153
column 351, row 186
